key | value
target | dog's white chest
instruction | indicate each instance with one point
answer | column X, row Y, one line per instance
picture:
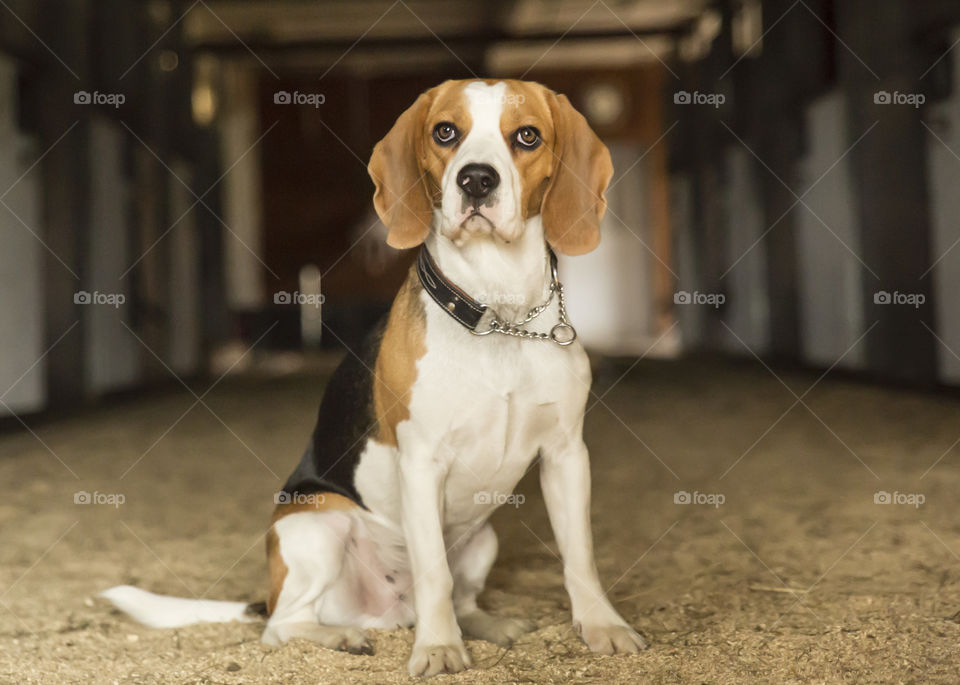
column 489, row 402
column 489, row 454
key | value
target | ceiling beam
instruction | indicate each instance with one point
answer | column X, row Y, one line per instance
column 477, row 39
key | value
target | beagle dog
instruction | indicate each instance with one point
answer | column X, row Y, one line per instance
column 473, row 374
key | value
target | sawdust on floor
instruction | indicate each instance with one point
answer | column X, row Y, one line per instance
column 797, row 576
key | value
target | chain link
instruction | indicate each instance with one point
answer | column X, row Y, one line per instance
column 514, row 328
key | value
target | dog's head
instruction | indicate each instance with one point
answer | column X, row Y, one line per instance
column 483, row 157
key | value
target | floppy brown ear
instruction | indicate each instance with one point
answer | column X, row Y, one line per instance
column 573, row 203
column 401, row 197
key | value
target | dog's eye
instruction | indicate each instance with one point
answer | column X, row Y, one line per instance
column 445, row 133
column 527, row 137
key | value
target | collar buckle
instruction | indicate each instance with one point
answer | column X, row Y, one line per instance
column 486, row 324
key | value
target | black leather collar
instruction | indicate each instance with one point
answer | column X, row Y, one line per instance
column 451, row 299
column 466, row 310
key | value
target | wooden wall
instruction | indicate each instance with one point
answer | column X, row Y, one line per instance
column 106, row 183
column 841, row 178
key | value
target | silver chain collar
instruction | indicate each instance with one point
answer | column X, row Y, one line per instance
column 562, row 333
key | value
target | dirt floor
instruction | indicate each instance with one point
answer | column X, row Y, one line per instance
column 797, row 576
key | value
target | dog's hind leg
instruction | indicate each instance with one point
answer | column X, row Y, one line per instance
column 470, row 568
column 305, row 552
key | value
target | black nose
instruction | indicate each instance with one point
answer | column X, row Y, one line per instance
column 478, row 180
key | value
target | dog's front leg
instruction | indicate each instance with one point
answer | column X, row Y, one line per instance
column 565, row 479
column 438, row 646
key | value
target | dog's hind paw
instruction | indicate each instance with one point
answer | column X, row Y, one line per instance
column 499, row 630
column 341, row 638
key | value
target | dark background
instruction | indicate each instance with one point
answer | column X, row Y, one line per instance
column 797, row 199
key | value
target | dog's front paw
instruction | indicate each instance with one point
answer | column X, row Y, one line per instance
column 429, row 660
column 610, row 638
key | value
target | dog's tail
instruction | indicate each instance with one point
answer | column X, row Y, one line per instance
column 160, row 611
